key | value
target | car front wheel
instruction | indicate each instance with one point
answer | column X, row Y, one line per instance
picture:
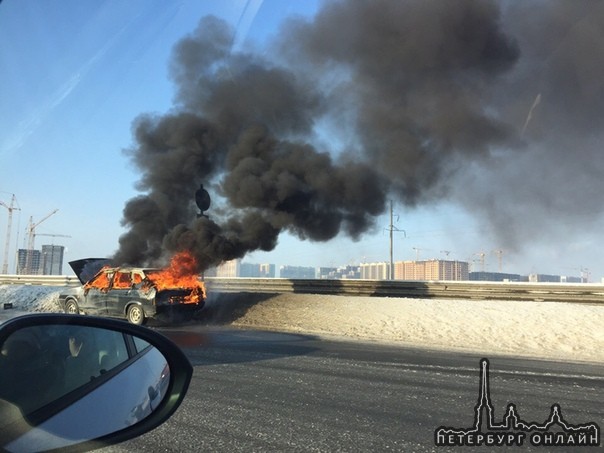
column 71, row 307
column 136, row 315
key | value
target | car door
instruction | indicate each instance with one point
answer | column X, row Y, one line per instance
column 94, row 301
column 96, row 293
column 119, row 294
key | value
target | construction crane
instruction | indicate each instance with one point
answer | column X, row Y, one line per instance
column 481, row 255
column 10, row 208
column 499, row 254
column 31, row 237
column 417, row 250
column 585, row 273
column 53, row 235
column 31, row 229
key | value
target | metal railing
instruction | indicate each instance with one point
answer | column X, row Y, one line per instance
column 48, row 280
column 551, row 292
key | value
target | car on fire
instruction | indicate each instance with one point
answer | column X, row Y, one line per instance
column 133, row 293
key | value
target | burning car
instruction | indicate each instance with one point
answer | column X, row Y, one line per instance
column 134, row 293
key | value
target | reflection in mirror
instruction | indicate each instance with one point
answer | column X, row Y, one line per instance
column 43, row 363
column 140, row 344
column 75, row 383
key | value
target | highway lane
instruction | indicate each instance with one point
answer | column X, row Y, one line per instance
column 261, row 391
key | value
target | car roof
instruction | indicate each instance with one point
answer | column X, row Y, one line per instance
column 128, row 269
column 87, row 268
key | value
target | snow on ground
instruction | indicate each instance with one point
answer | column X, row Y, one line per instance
column 36, row 298
column 565, row 331
column 549, row 330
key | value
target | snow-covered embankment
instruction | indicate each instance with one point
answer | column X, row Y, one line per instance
column 550, row 330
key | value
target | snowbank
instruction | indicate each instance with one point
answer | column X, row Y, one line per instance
column 562, row 331
column 31, row 297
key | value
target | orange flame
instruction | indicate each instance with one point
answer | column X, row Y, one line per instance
column 181, row 273
column 101, row 281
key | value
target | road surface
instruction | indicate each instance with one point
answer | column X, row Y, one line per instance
column 262, row 391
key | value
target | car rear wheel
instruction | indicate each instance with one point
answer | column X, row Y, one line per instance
column 71, row 307
column 135, row 315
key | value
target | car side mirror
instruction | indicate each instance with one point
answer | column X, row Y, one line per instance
column 78, row 383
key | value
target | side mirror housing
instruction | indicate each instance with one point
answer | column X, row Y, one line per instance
column 78, row 383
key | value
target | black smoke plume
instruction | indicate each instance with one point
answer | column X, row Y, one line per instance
column 415, row 95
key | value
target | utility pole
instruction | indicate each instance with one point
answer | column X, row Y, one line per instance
column 10, row 208
column 392, row 229
column 391, row 267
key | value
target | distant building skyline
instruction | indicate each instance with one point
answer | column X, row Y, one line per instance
column 337, row 273
column 236, row 268
column 299, row 272
column 422, row 270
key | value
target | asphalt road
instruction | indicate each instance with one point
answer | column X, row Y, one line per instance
column 259, row 391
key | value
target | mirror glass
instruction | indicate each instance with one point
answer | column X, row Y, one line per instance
column 75, row 383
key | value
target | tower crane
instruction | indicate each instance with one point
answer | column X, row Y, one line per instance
column 417, row 250
column 499, row 254
column 481, row 255
column 53, row 235
column 31, row 237
column 10, row 208
column 31, row 229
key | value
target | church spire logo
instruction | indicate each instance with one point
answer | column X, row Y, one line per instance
column 512, row 430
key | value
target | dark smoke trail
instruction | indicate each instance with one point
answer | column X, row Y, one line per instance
column 550, row 193
column 421, row 91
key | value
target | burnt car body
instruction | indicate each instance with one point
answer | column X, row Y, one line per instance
column 133, row 293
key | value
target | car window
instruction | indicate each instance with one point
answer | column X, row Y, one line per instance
column 101, row 281
column 122, row 280
column 140, row 344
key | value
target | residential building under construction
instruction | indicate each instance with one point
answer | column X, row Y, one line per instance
column 48, row 261
column 430, row 270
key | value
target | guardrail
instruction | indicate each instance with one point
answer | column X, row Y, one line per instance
column 550, row 292
column 48, row 280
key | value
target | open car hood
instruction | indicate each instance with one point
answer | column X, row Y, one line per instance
column 87, row 268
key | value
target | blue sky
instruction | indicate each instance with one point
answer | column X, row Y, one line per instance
column 74, row 75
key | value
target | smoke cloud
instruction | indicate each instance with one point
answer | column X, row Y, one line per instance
column 423, row 100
